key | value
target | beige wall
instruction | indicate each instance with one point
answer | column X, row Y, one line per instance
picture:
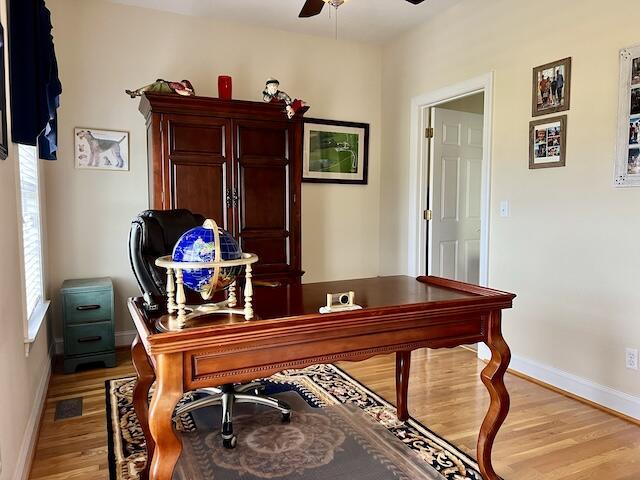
column 104, row 48
column 20, row 376
column 569, row 248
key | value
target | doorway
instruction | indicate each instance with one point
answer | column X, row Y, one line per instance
column 454, row 188
column 420, row 192
column 466, row 188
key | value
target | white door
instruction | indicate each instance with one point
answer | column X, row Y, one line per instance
column 455, row 194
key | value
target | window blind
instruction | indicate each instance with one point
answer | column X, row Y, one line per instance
column 31, row 231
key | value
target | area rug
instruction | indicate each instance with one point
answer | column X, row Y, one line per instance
column 339, row 430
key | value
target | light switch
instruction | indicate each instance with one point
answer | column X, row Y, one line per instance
column 504, row 208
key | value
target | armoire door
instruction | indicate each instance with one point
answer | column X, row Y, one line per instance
column 267, row 193
column 197, row 170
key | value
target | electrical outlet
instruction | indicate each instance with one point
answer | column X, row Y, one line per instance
column 631, row 358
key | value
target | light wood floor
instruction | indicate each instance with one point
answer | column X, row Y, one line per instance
column 546, row 436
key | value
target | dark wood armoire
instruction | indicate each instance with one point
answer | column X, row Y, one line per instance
column 237, row 162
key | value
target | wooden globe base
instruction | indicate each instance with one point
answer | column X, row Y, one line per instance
column 173, row 323
column 180, row 312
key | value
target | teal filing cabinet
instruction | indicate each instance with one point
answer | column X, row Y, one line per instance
column 88, row 322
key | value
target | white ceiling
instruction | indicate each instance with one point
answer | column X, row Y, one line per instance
column 372, row 21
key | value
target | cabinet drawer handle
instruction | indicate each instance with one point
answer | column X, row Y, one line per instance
column 82, row 308
column 95, row 338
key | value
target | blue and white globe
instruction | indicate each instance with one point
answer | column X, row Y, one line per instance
column 198, row 245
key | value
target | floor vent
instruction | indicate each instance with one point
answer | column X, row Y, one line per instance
column 69, row 408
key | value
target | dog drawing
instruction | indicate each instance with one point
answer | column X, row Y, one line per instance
column 100, row 147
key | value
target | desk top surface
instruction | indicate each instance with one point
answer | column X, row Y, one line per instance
column 300, row 303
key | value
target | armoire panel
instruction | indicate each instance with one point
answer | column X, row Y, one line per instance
column 201, row 189
column 192, row 138
column 272, row 251
column 264, row 197
column 262, row 141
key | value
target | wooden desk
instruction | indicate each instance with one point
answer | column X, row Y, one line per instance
column 400, row 314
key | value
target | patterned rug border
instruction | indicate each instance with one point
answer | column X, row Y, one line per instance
column 412, row 421
column 419, row 426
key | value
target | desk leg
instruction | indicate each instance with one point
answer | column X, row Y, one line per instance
column 145, row 379
column 403, row 365
column 168, row 393
column 493, row 378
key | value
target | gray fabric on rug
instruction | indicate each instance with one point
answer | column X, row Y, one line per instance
column 336, row 442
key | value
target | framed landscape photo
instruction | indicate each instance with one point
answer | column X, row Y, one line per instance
column 547, row 143
column 627, row 163
column 97, row 149
column 551, row 87
column 335, row 152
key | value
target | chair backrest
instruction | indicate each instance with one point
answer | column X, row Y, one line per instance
column 153, row 234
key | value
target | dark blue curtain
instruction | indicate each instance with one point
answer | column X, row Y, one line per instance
column 33, row 74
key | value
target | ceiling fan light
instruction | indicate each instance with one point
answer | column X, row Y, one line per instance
column 334, row 3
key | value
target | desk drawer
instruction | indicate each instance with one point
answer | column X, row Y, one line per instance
column 87, row 307
column 92, row 338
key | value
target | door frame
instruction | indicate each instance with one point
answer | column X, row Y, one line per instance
column 420, row 170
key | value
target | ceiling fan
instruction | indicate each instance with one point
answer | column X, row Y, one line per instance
column 312, row 8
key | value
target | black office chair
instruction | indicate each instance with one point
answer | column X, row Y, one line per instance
column 153, row 234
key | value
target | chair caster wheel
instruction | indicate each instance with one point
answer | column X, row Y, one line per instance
column 286, row 417
column 230, row 443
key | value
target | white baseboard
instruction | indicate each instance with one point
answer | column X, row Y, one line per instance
column 30, row 439
column 606, row 396
column 123, row 339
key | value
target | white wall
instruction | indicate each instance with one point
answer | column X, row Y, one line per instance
column 104, row 48
column 22, row 378
column 569, row 249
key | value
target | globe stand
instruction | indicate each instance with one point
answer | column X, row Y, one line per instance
column 180, row 312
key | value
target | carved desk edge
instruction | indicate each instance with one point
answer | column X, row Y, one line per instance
column 226, row 338
column 203, row 368
column 212, row 336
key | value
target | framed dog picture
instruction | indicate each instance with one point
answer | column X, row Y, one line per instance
column 627, row 162
column 551, row 87
column 548, row 139
column 335, row 152
column 101, row 149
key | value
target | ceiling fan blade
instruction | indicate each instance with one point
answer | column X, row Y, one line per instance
column 311, row 8
column 415, row 2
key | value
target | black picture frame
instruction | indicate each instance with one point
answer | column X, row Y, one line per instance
column 339, row 178
column 4, row 141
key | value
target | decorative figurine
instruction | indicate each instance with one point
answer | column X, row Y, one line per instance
column 271, row 94
column 183, row 88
